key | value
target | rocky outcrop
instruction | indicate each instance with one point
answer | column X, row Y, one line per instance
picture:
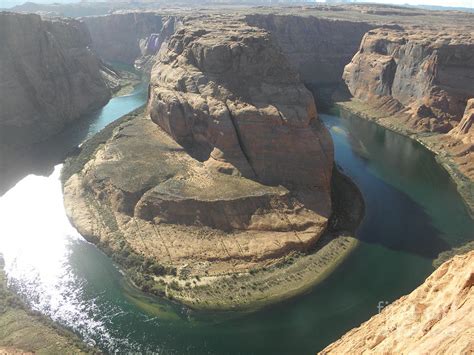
column 124, row 37
column 230, row 172
column 464, row 131
column 418, row 81
column 232, row 99
column 425, row 74
column 48, row 77
column 152, row 45
column 436, row 318
column 318, row 48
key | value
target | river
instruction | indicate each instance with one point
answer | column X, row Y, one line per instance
column 413, row 212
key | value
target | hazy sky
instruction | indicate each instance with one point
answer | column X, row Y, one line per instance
column 463, row 3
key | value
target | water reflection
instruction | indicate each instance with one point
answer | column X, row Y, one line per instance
column 36, row 251
column 41, row 159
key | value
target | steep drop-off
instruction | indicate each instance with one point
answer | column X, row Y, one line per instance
column 48, row 77
column 130, row 36
column 234, row 173
column 424, row 73
column 419, row 82
column 318, row 48
column 436, row 318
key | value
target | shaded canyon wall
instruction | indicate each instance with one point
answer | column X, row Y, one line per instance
column 49, row 77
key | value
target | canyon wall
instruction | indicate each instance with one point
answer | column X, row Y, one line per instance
column 48, row 77
column 436, row 318
column 427, row 74
column 464, row 131
column 318, row 48
column 122, row 37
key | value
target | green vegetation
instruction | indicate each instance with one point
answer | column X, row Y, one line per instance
column 292, row 275
column 22, row 329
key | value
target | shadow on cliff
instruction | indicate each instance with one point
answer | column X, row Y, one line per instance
column 41, row 158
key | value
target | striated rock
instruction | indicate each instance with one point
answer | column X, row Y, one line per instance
column 436, row 318
column 318, row 48
column 121, row 37
column 48, row 77
column 230, row 97
column 465, row 129
column 152, row 45
column 416, row 81
column 423, row 74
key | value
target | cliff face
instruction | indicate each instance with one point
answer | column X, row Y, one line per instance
column 426, row 75
column 464, row 131
column 436, row 318
column 48, row 77
column 122, row 37
column 236, row 103
column 317, row 48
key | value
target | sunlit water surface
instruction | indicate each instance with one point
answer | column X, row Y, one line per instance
column 413, row 212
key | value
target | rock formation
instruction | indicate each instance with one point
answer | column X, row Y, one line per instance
column 230, row 99
column 48, row 77
column 231, row 173
column 436, row 318
column 424, row 73
column 464, row 131
column 418, row 81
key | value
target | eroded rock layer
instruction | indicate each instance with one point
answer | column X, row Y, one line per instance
column 426, row 74
column 48, row 77
column 418, row 81
column 464, row 131
column 230, row 97
column 436, row 318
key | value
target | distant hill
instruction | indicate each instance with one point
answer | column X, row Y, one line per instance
column 445, row 8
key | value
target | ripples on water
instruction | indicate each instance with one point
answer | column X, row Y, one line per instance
column 37, row 250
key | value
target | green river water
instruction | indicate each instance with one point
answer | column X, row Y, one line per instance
column 413, row 212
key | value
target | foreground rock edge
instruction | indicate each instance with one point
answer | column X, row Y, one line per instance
column 436, row 318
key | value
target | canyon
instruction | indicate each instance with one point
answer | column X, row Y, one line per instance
column 222, row 193
column 215, row 197
column 49, row 77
